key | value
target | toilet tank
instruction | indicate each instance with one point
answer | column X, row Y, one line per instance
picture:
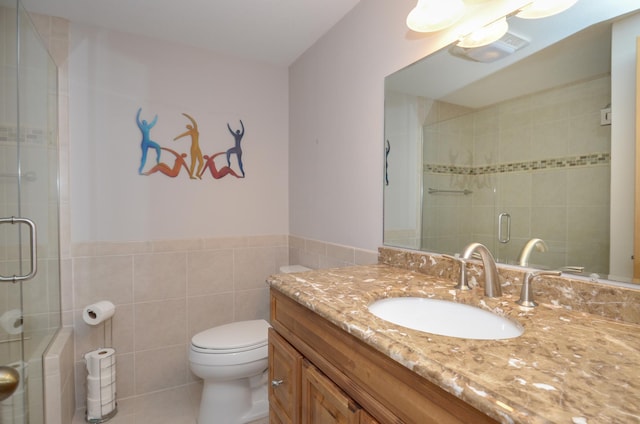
column 288, row 269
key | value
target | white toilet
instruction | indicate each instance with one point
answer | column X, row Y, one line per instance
column 232, row 359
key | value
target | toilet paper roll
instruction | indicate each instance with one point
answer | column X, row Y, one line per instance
column 106, row 378
column 100, row 360
column 103, row 394
column 97, row 410
column 98, row 312
column 11, row 321
column 97, row 387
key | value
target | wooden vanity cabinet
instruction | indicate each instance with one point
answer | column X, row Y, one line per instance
column 300, row 393
column 331, row 377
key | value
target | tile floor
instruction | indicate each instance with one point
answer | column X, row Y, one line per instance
column 174, row 406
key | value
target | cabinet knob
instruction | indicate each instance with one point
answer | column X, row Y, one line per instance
column 276, row 383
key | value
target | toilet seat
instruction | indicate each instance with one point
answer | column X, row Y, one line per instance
column 235, row 337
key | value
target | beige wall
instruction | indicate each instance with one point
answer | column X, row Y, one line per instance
column 112, row 75
column 164, row 293
column 175, row 255
column 167, row 291
column 316, row 254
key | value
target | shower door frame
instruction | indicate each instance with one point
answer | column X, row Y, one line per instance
column 30, row 193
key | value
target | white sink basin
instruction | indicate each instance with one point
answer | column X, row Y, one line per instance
column 445, row 318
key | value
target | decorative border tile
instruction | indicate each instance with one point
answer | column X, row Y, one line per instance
column 31, row 135
column 536, row 165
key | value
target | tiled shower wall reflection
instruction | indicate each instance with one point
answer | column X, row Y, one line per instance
column 543, row 158
column 166, row 291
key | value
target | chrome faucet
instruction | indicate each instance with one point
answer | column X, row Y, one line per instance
column 492, row 287
column 538, row 244
column 526, row 294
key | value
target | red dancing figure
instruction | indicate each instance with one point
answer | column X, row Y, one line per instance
column 211, row 165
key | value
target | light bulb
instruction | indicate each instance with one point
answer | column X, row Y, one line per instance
column 543, row 8
column 485, row 35
column 434, row 15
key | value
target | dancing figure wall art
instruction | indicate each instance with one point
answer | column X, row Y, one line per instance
column 194, row 163
column 196, row 154
column 237, row 149
column 146, row 142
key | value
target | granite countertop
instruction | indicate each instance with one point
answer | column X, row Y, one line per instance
column 567, row 367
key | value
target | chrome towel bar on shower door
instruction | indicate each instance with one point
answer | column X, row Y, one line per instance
column 33, row 260
column 437, row 190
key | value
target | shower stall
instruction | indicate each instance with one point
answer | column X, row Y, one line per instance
column 30, row 313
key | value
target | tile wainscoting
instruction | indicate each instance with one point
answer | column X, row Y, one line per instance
column 166, row 291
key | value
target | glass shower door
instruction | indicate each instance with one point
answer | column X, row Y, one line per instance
column 29, row 257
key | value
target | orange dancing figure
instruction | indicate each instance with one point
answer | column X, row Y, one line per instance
column 165, row 169
column 196, row 154
column 211, row 165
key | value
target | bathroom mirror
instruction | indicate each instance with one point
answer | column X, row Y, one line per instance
column 511, row 146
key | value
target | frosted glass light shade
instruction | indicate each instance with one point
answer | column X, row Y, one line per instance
column 434, row 15
column 543, row 8
column 485, row 35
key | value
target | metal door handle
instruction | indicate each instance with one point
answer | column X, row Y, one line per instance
column 9, row 380
column 502, row 219
column 34, row 259
column 277, row 383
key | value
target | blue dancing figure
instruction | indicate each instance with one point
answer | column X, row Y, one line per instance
column 237, row 135
column 147, row 143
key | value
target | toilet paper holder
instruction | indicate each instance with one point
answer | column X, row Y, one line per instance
column 101, row 385
column 101, row 379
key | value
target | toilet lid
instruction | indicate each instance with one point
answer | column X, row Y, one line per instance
column 236, row 335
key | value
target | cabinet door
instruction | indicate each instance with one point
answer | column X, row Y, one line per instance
column 365, row 418
column 284, row 381
column 323, row 402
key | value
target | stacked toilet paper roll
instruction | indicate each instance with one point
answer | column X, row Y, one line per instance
column 101, row 383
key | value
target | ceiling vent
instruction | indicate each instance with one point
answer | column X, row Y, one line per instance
column 506, row 45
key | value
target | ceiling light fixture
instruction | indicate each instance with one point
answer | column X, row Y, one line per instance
column 543, row 8
column 434, row 15
column 485, row 35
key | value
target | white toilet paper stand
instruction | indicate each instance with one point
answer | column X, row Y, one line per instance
column 101, row 380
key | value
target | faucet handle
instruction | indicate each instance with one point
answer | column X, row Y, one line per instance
column 462, row 278
column 526, row 294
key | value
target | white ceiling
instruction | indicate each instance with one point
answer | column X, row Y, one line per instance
column 274, row 31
